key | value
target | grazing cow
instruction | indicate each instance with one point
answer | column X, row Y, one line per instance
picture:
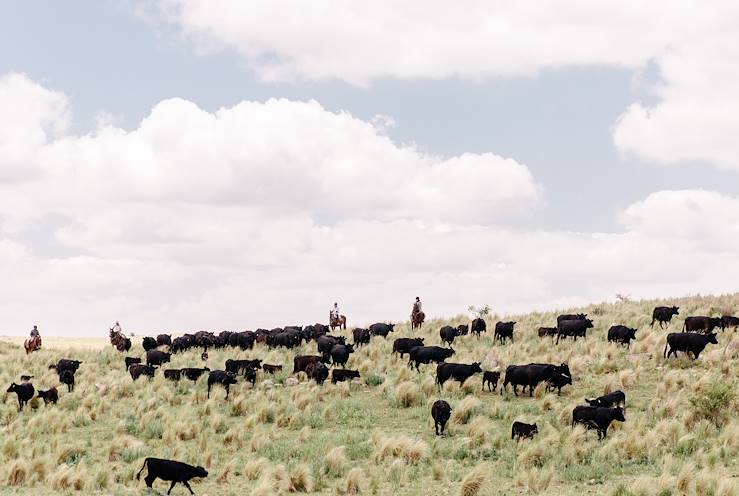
column 531, row 375
column 317, row 371
column 575, row 328
column 447, row 334
column 242, row 366
column 403, row 345
column 67, row 377
column 621, row 334
column 521, row 430
column 164, row 339
column 24, row 391
column 440, row 412
column 663, row 315
column 170, row 470
column 172, row 374
column 341, row 375
column 596, row 417
column 148, row 343
column 380, row 329
column 194, row 373
column 616, row 398
column 688, row 343
column 478, row 326
column 558, row 381
column 571, row 316
column 137, row 370
column 463, row 329
column 547, row 331
column 457, row 371
column 427, row 354
column 340, row 354
column 729, row 321
column 701, row 323
column 131, row 360
column 301, row 362
column 221, row 377
column 51, row 395
column 503, row 331
column 490, row 378
column 271, row 369
column 156, row 357
column 361, row 336
column 325, row 342
column 65, row 364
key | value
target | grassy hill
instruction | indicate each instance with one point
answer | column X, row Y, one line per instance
column 681, row 434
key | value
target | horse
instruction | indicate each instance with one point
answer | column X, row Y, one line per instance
column 339, row 322
column 119, row 341
column 32, row 344
column 417, row 320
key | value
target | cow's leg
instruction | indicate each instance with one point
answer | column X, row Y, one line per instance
column 227, row 388
column 172, row 486
column 149, row 479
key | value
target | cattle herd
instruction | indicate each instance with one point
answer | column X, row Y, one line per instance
column 333, row 352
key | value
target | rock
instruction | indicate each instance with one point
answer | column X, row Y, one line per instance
column 268, row 384
column 291, row 381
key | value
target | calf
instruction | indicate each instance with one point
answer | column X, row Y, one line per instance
column 271, row 369
column 221, row 377
column 558, row 381
column 170, row 470
column 341, row 375
column 729, row 321
column 478, row 326
column 427, row 354
column 380, row 329
column 301, row 362
column 403, row 345
column 137, row 370
column 24, row 391
column 615, row 398
column 522, row 431
column 663, row 315
column 131, row 360
column 621, row 334
column 440, row 411
column 547, row 331
column 172, row 374
column 598, row 418
column 531, row 375
column 361, row 337
column 457, row 371
column 490, row 378
column 340, row 354
column 689, row 343
column 503, row 331
column 194, row 373
column 156, row 357
column 242, row 366
column 49, row 396
column 317, row 371
column 67, row 377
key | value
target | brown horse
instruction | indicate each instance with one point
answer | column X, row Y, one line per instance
column 32, row 344
column 340, row 322
column 119, row 340
column 417, row 320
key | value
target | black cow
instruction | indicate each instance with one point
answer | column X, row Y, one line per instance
column 341, row 375
column 441, row 412
column 447, row 334
column 503, row 331
column 245, row 340
column 271, row 369
column 663, row 315
column 490, row 378
column 242, row 366
column 558, row 381
column 164, row 339
column 221, row 377
column 131, row 360
column 596, row 417
column 574, row 327
column 521, row 430
column 24, row 391
column 194, row 373
column 67, row 377
column 301, row 362
column 361, row 336
column 51, row 395
column 729, row 321
column 427, row 354
column 547, row 331
column 701, row 323
column 688, row 343
column 457, row 371
column 156, row 357
column 571, row 316
column 531, row 375
column 317, row 371
column 172, row 374
column 340, row 354
column 478, row 326
column 65, row 364
column 137, row 370
column 621, row 334
column 615, row 398
column 381, row 329
column 148, row 343
column 170, row 470
column 403, row 345
column 325, row 342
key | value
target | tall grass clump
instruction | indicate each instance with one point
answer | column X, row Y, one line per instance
column 474, row 481
column 714, row 403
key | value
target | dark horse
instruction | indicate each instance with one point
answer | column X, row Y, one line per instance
column 121, row 342
column 339, row 322
column 32, row 344
column 417, row 320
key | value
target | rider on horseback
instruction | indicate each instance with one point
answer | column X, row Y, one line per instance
column 116, row 328
column 35, row 333
column 335, row 314
column 416, row 307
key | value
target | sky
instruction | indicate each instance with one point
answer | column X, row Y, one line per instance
column 190, row 164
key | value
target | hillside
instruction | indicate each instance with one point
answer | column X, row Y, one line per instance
column 681, row 434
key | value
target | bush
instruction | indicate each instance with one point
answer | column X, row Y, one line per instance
column 714, row 402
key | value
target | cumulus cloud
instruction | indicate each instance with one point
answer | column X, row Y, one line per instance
column 691, row 43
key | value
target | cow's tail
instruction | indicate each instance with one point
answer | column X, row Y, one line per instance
column 684, row 325
column 138, row 476
column 664, row 353
column 652, row 324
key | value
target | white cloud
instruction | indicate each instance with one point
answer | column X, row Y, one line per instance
column 693, row 44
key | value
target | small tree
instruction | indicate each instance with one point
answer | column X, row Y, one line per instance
column 480, row 312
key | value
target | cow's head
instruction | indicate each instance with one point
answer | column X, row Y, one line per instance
column 349, row 348
column 632, row 333
column 675, row 310
column 200, row 472
column 476, row 368
column 12, row 388
column 588, row 323
column 711, row 338
column 449, row 352
column 618, row 414
column 534, row 429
